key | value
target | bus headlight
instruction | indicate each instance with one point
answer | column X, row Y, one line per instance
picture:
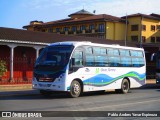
column 34, row 79
column 157, row 77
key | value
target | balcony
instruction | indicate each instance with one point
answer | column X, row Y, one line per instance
column 83, row 31
column 99, row 31
column 66, row 32
column 93, row 30
column 74, row 32
column 86, row 31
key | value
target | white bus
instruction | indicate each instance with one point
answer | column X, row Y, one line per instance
column 77, row 67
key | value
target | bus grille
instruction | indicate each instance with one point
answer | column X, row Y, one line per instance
column 41, row 79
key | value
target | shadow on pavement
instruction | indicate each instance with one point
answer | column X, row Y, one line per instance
column 150, row 86
column 34, row 95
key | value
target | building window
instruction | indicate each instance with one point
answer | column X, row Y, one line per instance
column 158, row 27
column 153, row 39
column 57, row 29
column 91, row 27
column 50, row 30
column 134, row 27
column 153, row 27
column 144, row 27
column 158, row 39
column 65, row 29
column 74, row 28
column 134, row 38
column 101, row 28
column 83, row 27
column 143, row 39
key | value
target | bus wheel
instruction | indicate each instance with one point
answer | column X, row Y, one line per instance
column 125, row 86
column 75, row 90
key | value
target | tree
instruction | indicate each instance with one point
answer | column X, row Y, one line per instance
column 3, row 68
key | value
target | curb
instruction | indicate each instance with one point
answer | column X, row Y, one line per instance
column 19, row 93
column 21, row 87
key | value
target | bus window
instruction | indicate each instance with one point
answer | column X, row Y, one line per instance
column 136, row 53
column 124, row 52
column 78, row 55
column 112, row 52
column 89, row 50
column 137, row 62
column 126, row 62
column 114, row 61
column 101, row 61
column 89, row 60
column 99, row 51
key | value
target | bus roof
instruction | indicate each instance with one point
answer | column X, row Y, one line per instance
column 88, row 43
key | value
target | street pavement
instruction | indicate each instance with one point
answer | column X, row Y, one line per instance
column 145, row 98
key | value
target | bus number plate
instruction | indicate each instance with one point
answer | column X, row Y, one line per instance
column 44, row 85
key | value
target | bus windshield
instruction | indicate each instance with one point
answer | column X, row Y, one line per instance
column 54, row 56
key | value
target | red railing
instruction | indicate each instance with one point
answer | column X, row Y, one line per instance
column 22, row 71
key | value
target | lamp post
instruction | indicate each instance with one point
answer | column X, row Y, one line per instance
column 126, row 30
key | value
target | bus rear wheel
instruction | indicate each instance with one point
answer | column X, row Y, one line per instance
column 75, row 89
column 125, row 87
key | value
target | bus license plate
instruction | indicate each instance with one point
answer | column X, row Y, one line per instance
column 44, row 85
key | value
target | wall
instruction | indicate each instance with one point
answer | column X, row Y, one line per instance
column 115, row 30
column 24, row 58
column 148, row 33
column 120, row 29
column 134, row 21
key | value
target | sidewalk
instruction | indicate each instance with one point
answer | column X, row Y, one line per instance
column 15, row 87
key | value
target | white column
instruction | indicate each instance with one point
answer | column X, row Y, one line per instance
column 37, row 51
column 11, row 60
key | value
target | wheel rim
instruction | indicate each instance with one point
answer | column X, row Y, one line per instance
column 125, row 86
column 76, row 89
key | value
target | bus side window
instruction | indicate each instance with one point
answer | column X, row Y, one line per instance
column 114, row 61
column 137, row 58
column 78, row 57
column 101, row 61
column 113, row 57
column 126, row 62
column 125, row 58
column 89, row 60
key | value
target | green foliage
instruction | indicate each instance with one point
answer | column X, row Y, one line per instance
column 3, row 68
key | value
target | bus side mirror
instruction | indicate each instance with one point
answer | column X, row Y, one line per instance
column 153, row 57
column 73, row 61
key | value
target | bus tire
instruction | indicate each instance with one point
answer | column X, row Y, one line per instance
column 125, row 86
column 76, row 89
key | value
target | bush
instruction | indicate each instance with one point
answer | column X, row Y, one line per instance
column 3, row 68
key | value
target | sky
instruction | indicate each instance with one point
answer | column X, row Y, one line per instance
column 18, row 13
